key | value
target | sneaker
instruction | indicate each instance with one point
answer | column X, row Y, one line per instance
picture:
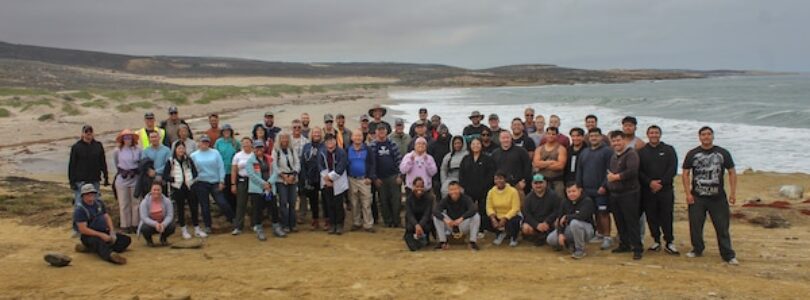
column 185, row 233
column 637, row 255
column 236, row 231
column 499, row 239
column 670, row 248
column 513, row 242
column 733, row 262
column 198, row 232
column 607, row 243
column 578, row 254
column 597, row 239
column 474, row 246
column 693, row 254
column 207, row 230
column 81, row 248
column 481, row 235
column 655, row 247
column 286, row 229
column 118, row 259
column 260, row 234
column 278, row 232
column 339, row 230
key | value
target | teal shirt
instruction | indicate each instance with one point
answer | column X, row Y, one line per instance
column 255, row 179
column 227, row 149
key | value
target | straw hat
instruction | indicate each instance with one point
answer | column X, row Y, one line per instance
column 120, row 138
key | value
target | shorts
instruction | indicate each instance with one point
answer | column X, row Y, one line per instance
column 600, row 201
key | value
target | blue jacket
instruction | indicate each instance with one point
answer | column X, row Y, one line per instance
column 255, row 180
column 370, row 170
column 310, row 170
column 386, row 158
column 340, row 163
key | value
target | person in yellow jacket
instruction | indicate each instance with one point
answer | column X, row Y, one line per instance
column 503, row 208
column 143, row 133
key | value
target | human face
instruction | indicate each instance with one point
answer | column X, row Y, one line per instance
column 654, row 136
column 364, row 125
column 399, row 128
column 629, row 128
column 594, row 138
column 476, row 120
column 296, row 127
column 87, row 135
column 316, row 134
column 357, row 137
column 590, row 123
column 173, row 116
column 420, row 130
column 247, row 146
column 706, row 138
column 420, row 147
column 258, row 151
column 154, row 138
column 260, row 133
column 529, row 114
column 517, row 127
column 418, row 189
column 227, row 133
column 554, row 122
column 423, row 115
column 205, row 145
column 486, row 136
column 505, row 139
column 213, row 121
column 475, row 146
column 377, row 114
column 127, row 139
column 268, row 120
column 284, row 141
column 180, row 150
column 89, row 198
column 618, row 143
column 328, row 124
column 436, row 122
column 551, row 137
column 539, row 187
column 150, row 123
column 458, row 144
column 182, row 133
column 576, row 138
column 454, row 191
column 331, row 144
column 494, row 123
column 305, row 119
column 573, row 192
column 341, row 122
column 540, row 123
column 500, row 182
column 381, row 133
column 156, row 192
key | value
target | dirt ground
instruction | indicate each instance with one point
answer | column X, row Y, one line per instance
column 314, row 265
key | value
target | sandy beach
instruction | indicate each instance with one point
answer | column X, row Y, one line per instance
column 361, row 265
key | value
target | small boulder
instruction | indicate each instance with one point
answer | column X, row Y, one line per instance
column 793, row 192
column 771, row 221
column 57, row 259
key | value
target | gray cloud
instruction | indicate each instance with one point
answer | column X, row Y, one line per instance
column 474, row 33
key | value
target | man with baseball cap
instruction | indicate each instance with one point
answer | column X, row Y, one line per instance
column 87, row 163
column 172, row 126
column 399, row 137
column 539, row 211
column 143, row 133
column 495, row 125
column 96, row 228
column 329, row 125
column 473, row 130
column 269, row 126
column 343, row 135
column 420, row 128
column 423, row 116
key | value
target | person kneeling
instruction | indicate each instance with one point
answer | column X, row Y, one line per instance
column 456, row 214
column 503, row 206
column 575, row 224
column 539, row 211
column 96, row 228
column 418, row 212
column 157, row 214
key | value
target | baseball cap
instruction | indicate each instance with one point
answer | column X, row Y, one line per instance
column 538, row 178
column 85, row 128
column 493, row 117
column 399, row 121
column 172, row 109
column 364, row 118
column 88, row 188
column 205, row 138
column 149, row 115
column 328, row 118
column 269, row 114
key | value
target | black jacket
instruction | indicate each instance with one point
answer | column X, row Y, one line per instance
column 626, row 165
column 144, row 182
column 419, row 211
column 657, row 163
column 581, row 209
column 463, row 208
column 87, row 163
column 515, row 163
column 538, row 209
column 438, row 149
column 476, row 176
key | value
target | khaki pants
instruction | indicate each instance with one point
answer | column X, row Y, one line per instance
column 360, row 198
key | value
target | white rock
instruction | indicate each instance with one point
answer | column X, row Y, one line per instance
column 792, row 191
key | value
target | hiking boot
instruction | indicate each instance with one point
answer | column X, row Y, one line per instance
column 655, row 247
column 637, row 255
column 499, row 239
column 474, row 246
column 733, row 262
column 236, row 231
column 81, row 248
column 597, row 239
column 286, row 229
column 481, row 235
column 198, row 232
column 117, row 259
column 513, row 242
column 260, row 234
column 185, row 233
column 578, row 254
column 607, row 243
column 207, row 230
column 339, row 230
column 149, row 241
column 670, row 248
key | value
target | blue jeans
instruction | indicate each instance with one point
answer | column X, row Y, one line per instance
column 286, row 203
column 78, row 191
column 203, row 190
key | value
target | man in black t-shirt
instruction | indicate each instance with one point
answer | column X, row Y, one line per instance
column 520, row 138
column 703, row 171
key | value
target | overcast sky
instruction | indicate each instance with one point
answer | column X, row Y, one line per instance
column 697, row 34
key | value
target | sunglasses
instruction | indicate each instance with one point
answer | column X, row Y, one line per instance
column 530, row 115
column 88, row 131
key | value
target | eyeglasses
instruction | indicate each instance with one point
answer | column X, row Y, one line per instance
column 485, row 134
column 88, row 131
column 530, row 115
column 296, row 127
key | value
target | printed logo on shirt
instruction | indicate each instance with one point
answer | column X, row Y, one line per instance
column 707, row 169
column 383, row 151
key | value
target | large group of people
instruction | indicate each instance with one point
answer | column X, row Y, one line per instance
column 529, row 182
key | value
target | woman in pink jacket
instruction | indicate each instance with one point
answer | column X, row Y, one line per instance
column 418, row 163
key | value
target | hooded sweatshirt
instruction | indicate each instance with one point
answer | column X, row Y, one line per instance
column 592, row 168
column 451, row 164
column 420, row 166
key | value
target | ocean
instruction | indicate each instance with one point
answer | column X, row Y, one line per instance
column 763, row 120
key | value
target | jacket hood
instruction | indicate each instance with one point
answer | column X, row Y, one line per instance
column 463, row 144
